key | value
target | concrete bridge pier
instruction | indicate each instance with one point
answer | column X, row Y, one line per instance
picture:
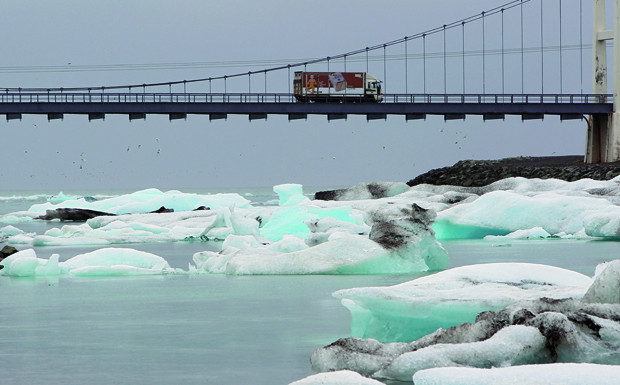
column 603, row 139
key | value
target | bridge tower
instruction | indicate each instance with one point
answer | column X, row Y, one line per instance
column 603, row 141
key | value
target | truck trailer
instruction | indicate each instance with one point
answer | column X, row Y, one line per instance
column 336, row 87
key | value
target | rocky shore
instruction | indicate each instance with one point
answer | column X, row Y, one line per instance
column 476, row 173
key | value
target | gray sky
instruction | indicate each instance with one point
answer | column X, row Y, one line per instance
column 74, row 154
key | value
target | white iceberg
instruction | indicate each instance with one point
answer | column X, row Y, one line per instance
column 540, row 326
column 547, row 374
column 502, row 212
column 343, row 377
column 399, row 241
column 413, row 309
column 508, row 347
column 145, row 201
column 102, row 262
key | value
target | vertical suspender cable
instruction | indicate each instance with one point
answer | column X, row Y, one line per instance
column 503, row 73
column 406, row 69
column 329, row 89
column 561, row 67
column 249, row 82
column 224, row 84
column 209, row 85
column 484, row 87
column 581, row 42
column 345, row 63
column 445, row 76
column 366, row 59
column 542, row 52
column 289, row 79
column 384, row 70
column 424, row 59
column 265, row 81
column 463, row 57
column 522, row 53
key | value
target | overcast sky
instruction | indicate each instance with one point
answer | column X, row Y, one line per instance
column 71, row 37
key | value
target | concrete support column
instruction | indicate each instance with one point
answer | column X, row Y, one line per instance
column 603, row 138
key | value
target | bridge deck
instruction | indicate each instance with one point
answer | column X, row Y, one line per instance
column 413, row 106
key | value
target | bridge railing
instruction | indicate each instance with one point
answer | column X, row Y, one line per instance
column 64, row 97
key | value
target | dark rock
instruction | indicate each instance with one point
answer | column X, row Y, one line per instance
column 329, row 195
column 478, row 173
column 162, row 209
column 70, row 214
column 6, row 251
column 201, row 208
column 373, row 190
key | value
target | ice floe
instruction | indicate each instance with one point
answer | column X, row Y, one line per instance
column 535, row 328
column 398, row 242
column 102, row 262
column 412, row 309
column 548, row 374
column 517, row 208
column 343, row 377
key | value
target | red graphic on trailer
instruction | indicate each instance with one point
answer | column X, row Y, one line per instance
column 337, row 81
column 310, row 84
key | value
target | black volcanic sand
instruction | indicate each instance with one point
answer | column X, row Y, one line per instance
column 477, row 173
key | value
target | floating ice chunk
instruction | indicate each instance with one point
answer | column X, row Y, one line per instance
column 322, row 230
column 26, row 264
column 212, row 262
column 547, row 374
column 242, row 225
column 15, row 218
column 413, row 309
column 240, row 242
column 603, row 224
column 343, row 377
column 8, row 231
column 530, row 332
column 107, row 262
column 292, row 220
column 534, row 233
column 288, row 244
column 606, row 286
column 349, row 254
column 290, row 194
column 146, row 201
column 61, row 197
column 502, row 212
column 115, row 261
column 510, row 346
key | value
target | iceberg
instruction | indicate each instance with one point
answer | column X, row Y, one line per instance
column 102, row 262
column 410, row 310
column 400, row 241
column 503, row 212
column 528, row 331
column 343, row 377
column 144, row 201
column 548, row 374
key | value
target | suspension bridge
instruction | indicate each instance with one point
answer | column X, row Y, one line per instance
column 508, row 60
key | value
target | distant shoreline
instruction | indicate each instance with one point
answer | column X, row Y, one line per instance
column 477, row 173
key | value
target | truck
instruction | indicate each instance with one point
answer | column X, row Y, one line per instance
column 336, row 87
